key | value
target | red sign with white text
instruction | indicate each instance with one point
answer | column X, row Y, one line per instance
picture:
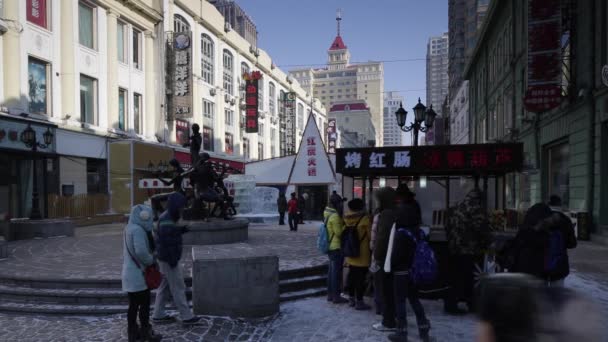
column 36, row 12
column 251, row 101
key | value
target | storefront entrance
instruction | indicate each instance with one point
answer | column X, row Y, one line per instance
column 315, row 200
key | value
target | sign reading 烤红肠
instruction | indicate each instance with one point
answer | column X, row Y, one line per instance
column 430, row 160
column 251, row 101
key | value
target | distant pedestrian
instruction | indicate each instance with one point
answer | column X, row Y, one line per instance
column 282, row 207
column 335, row 226
column 292, row 213
column 169, row 241
column 407, row 232
column 540, row 247
column 468, row 235
column 356, row 216
column 138, row 250
column 386, row 199
column 336, row 201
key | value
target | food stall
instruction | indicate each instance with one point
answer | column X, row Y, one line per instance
column 440, row 164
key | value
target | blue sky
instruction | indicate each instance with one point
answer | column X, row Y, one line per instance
column 301, row 31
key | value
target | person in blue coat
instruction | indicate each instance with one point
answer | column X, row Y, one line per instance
column 138, row 249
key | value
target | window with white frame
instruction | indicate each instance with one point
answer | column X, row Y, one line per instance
column 273, row 142
column 271, row 99
column 228, row 64
column 261, row 129
column 208, row 109
column 137, row 118
column 246, row 153
column 180, row 24
column 87, row 25
column 137, row 47
column 300, row 117
column 229, row 117
column 121, row 41
column 88, row 99
column 122, row 109
column 207, row 58
column 260, row 151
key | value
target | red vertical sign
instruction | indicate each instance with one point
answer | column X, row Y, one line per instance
column 251, row 101
column 36, row 12
column 544, row 55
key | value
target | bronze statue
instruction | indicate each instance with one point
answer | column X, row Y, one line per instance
column 195, row 142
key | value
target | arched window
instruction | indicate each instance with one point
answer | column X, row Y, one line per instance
column 207, row 58
column 271, row 99
column 244, row 69
column 180, row 24
column 228, row 72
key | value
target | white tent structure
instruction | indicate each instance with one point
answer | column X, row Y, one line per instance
column 310, row 173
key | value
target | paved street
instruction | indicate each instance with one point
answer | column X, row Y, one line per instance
column 305, row 320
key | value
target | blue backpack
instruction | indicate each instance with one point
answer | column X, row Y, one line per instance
column 424, row 267
column 323, row 237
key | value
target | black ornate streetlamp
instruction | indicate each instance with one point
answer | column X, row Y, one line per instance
column 421, row 115
column 28, row 137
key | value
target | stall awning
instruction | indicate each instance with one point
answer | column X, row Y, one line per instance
column 233, row 166
column 437, row 160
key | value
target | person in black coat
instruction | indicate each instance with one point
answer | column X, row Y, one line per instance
column 282, row 208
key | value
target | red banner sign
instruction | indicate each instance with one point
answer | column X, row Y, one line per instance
column 251, row 101
column 544, row 55
column 36, row 12
column 182, row 131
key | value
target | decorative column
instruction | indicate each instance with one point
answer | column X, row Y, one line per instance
column 150, row 115
column 68, row 77
column 12, row 58
column 112, row 48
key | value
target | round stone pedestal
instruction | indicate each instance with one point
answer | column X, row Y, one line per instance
column 30, row 229
column 216, row 231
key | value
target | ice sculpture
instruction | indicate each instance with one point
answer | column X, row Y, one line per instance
column 265, row 200
column 243, row 186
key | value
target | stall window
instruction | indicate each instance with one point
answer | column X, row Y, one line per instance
column 558, row 171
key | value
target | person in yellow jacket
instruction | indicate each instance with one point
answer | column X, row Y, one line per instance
column 355, row 215
column 335, row 226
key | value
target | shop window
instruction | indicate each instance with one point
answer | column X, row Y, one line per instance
column 38, row 12
column 88, row 99
column 229, row 143
column 207, row 138
column 39, row 92
column 87, row 25
column 137, row 118
column 122, row 109
column 558, row 171
column 121, row 41
column 97, row 181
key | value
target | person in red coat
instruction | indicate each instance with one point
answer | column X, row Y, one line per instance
column 292, row 212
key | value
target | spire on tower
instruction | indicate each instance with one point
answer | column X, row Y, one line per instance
column 338, row 19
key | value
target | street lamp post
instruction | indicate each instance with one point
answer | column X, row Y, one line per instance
column 421, row 115
column 28, row 137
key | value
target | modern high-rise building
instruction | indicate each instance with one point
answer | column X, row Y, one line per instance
column 236, row 19
column 465, row 19
column 437, row 72
column 393, row 136
column 341, row 81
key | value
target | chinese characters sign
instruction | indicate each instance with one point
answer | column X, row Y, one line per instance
column 290, row 121
column 182, row 76
column 36, row 12
column 332, row 135
column 430, row 160
column 544, row 55
column 311, row 153
column 251, row 101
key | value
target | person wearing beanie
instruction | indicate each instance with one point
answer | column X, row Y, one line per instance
column 170, row 245
column 355, row 216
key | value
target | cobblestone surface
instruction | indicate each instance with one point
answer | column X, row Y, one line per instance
column 96, row 252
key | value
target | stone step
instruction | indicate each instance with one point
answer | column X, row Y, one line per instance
column 307, row 293
column 299, row 284
column 59, row 309
column 303, row 272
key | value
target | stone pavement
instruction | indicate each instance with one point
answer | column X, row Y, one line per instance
column 96, row 252
column 306, row 320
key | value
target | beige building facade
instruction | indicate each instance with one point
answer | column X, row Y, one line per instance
column 342, row 81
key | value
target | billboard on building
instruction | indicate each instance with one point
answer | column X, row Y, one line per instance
column 179, row 76
column 251, row 101
column 544, row 55
column 36, row 12
column 332, row 135
column 290, row 121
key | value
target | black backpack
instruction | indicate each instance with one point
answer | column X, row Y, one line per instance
column 349, row 242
